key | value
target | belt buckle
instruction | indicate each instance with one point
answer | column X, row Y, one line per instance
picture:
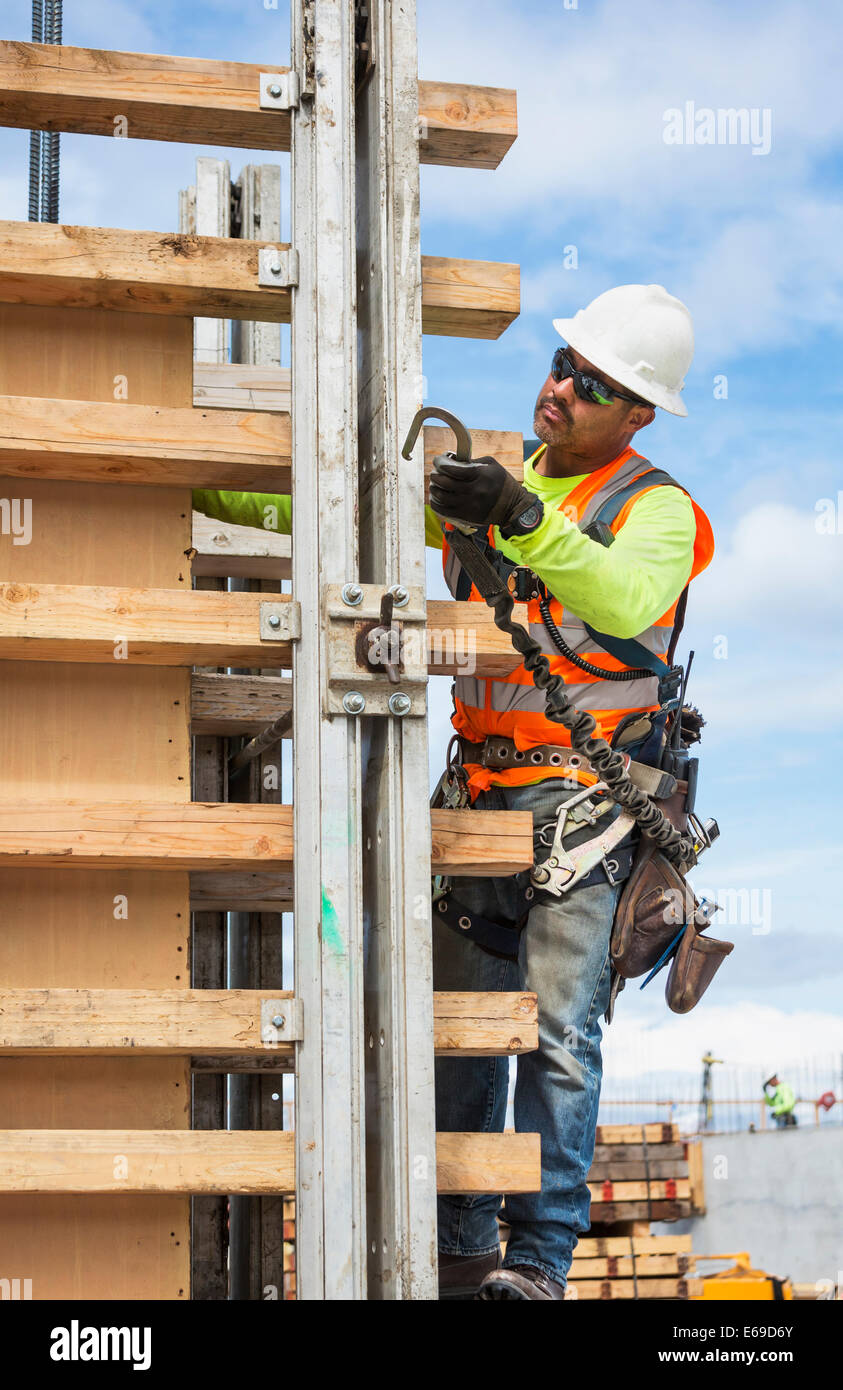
column 491, row 759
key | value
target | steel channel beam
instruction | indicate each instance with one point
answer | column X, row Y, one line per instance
column 400, row 1127
column 330, row 1123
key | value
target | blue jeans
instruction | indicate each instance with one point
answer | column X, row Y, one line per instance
column 564, row 958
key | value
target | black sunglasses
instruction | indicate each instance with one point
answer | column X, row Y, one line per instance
column 587, row 387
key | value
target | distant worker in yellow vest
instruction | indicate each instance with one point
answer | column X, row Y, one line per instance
column 601, row 545
column 781, row 1100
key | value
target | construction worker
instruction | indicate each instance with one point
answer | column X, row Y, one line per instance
column 782, row 1101
column 613, row 607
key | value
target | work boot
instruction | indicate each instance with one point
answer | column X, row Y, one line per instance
column 460, row 1276
column 521, row 1282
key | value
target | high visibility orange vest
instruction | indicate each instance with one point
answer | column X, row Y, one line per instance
column 511, row 706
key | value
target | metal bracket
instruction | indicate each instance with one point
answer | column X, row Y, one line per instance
column 280, row 622
column 282, row 1020
column 278, row 268
column 279, row 91
column 376, row 649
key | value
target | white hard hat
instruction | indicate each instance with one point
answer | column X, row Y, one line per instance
column 641, row 336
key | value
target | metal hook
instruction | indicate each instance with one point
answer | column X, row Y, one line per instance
column 462, row 454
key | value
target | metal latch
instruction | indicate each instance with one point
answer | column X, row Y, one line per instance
column 282, row 1020
column 279, row 91
column 280, row 622
column 278, row 267
column 376, row 649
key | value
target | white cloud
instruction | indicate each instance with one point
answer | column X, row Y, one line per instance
column 593, row 87
column 775, row 568
column 747, row 1034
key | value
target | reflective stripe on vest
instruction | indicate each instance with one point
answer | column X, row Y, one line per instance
column 512, row 706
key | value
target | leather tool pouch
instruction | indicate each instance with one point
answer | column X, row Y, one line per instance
column 656, row 902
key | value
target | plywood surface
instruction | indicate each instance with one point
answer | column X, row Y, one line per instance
column 104, row 733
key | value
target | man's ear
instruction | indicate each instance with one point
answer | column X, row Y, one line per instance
column 640, row 416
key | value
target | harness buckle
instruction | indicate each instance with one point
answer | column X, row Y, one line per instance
column 524, row 584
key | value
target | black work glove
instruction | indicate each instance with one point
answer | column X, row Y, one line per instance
column 482, row 493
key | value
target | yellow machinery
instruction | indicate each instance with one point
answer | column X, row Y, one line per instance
column 741, row 1281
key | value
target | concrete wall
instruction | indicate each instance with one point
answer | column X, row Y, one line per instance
column 778, row 1195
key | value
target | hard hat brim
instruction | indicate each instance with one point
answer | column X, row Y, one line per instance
column 619, row 370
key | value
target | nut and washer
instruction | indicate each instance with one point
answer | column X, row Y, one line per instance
column 274, row 620
column 399, row 703
column 353, row 702
column 352, row 594
column 279, row 1021
column 400, row 595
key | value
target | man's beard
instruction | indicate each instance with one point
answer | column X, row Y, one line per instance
column 550, row 432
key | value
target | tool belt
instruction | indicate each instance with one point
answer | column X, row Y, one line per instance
column 497, row 753
column 658, row 921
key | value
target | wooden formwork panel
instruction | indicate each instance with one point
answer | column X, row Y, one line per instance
column 99, row 733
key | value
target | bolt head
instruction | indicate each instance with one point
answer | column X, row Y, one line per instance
column 399, row 703
column 279, row 1021
column 400, row 594
column 353, row 702
column 274, row 90
column 274, row 620
column 352, row 594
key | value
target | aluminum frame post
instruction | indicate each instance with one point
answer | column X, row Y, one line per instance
column 400, row 1123
column 330, row 1127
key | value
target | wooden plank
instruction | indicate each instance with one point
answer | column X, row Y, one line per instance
column 207, row 1022
column 241, row 386
column 609, row 1171
column 668, row 1189
column 146, row 1161
column 484, row 1024
column 110, row 1022
column 45, row 263
column 204, row 101
column 607, row 1247
column 147, row 272
column 227, row 837
column 607, row 1289
column 466, row 125
column 241, row 892
column 478, row 1163
column 155, row 627
column 507, row 446
column 239, row 552
column 501, row 844
column 696, row 1173
column 465, row 1025
column 469, row 299
column 619, row 1213
column 462, row 639
column 624, row 1266
column 632, row 1134
column 163, row 627
column 96, row 732
column 230, row 1161
column 89, row 441
column 230, row 705
column 635, row 1153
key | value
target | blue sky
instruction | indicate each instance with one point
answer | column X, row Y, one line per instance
column 752, row 244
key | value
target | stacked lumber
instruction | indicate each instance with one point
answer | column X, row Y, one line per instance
column 633, row 1266
column 288, row 1290
column 640, row 1173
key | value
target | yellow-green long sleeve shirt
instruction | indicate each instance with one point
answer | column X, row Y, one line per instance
column 619, row 589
